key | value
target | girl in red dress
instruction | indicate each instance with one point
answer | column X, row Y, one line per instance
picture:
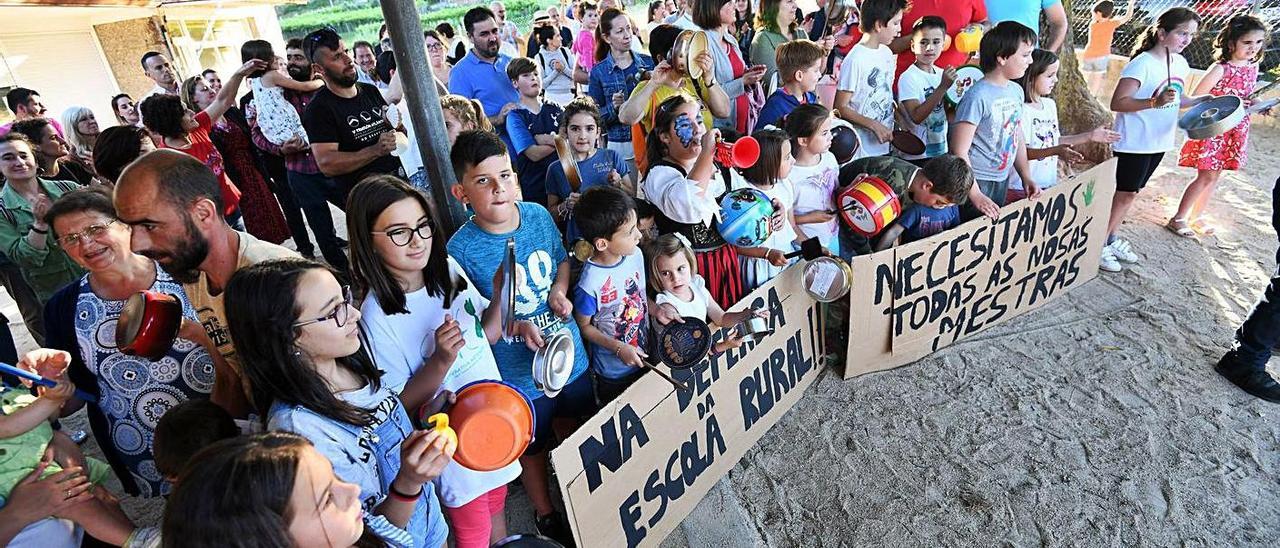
column 1240, row 46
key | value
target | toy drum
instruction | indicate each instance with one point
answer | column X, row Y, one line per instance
column 966, row 77
column 744, row 217
column 868, row 205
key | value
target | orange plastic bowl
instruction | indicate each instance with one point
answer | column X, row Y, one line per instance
column 494, row 422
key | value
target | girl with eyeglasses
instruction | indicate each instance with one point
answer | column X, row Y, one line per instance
column 429, row 330
column 295, row 330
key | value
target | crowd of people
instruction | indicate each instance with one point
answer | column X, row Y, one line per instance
column 283, row 412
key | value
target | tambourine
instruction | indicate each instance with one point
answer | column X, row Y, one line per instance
column 966, row 77
column 868, row 205
column 688, row 46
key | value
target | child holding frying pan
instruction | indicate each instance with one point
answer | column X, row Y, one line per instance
column 673, row 274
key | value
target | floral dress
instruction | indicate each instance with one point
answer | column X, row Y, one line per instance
column 1226, row 151
column 262, row 215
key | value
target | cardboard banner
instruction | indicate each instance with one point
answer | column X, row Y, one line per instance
column 632, row 473
column 912, row 300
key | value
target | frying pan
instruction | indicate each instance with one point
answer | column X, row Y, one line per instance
column 569, row 163
column 148, row 324
column 907, row 142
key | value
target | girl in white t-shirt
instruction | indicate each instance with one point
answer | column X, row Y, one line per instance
column 769, row 175
column 673, row 273
column 815, row 174
column 429, row 332
column 276, row 117
column 1045, row 142
column 1151, row 90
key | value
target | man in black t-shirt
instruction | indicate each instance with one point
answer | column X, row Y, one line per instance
column 346, row 122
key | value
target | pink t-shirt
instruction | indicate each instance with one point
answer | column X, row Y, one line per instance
column 584, row 46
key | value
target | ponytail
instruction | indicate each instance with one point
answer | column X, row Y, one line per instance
column 603, row 30
column 1171, row 19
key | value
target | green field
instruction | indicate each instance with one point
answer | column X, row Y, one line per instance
column 361, row 20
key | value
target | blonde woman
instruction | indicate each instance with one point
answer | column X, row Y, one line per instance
column 81, row 128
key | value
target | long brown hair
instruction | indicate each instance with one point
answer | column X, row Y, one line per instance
column 1171, row 19
column 236, row 492
column 603, row 29
column 368, row 272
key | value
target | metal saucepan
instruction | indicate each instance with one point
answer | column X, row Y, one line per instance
column 148, row 324
column 754, row 328
column 1213, row 117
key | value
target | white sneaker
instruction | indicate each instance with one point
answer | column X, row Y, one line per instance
column 1108, row 261
column 1123, row 251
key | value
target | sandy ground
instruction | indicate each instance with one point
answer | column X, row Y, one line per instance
column 1095, row 421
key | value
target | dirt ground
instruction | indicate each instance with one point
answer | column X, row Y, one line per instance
column 1096, row 421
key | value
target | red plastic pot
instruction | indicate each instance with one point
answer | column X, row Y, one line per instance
column 148, row 324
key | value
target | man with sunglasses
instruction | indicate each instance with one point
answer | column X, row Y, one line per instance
column 346, row 121
column 173, row 203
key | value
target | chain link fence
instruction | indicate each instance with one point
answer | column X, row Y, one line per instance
column 1200, row 54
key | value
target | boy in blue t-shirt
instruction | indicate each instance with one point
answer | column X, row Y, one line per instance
column 919, row 222
column 799, row 68
column 609, row 301
column 532, row 128
column 580, row 126
column 487, row 184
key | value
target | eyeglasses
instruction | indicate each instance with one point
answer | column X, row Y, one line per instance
column 403, row 235
column 91, row 232
column 340, row 315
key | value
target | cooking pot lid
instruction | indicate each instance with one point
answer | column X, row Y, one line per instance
column 553, row 363
column 507, row 296
column 683, row 345
column 692, row 44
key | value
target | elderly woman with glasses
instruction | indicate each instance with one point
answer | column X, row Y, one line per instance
column 132, row 392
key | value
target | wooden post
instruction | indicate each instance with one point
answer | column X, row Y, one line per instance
column 405, row 29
